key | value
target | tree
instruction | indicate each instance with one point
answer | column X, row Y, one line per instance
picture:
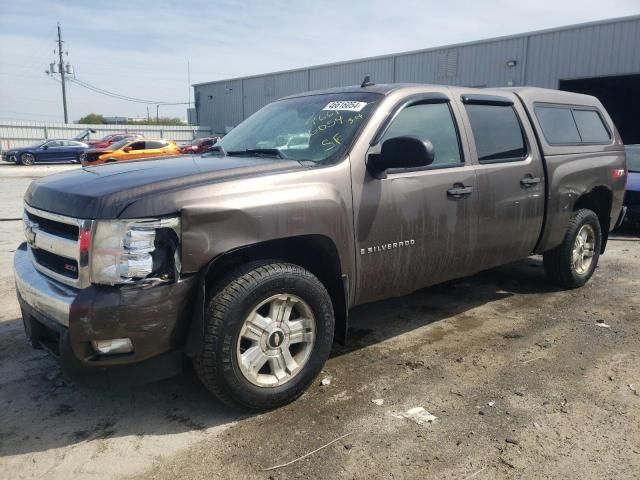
column 161, row 121
column 92, row 118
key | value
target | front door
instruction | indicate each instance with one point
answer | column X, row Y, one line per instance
column 416, row 227
column 510, row 177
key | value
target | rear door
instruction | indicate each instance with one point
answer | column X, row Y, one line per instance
column 510, row 177
column 154, row 148
column 416, row 227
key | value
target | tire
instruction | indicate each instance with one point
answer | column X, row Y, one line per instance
column 259, row 291
column 569, row 264
column 27, row 159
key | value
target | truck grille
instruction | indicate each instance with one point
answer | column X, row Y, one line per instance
column 55, row 245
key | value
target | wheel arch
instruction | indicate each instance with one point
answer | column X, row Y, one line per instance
column 599, row 200
column 316, row 253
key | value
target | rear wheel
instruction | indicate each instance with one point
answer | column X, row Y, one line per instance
column 27, row 159
column 572, row 263
column 268, row 332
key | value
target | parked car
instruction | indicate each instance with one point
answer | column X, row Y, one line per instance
column 247, row 260
column 632, row 195
column 48, row 151
column 199, row 145
column 114, row 138
column 129, row 149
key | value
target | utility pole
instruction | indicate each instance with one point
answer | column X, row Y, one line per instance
column 157, row 114
column 61, row 66
column 189, row 86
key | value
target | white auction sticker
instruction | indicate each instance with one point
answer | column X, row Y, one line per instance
column 346, row 105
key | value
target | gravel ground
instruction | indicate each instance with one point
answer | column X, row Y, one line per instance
column 526, row 381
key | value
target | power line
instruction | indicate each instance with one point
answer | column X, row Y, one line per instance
column 119, row 96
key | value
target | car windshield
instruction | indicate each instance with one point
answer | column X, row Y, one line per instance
column 120, row 144
column 317, row 128
column 633, row 157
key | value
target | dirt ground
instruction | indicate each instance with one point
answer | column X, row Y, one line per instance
column 526, row 381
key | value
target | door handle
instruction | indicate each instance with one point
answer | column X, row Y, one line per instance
column 529, row 181
column 459, row 191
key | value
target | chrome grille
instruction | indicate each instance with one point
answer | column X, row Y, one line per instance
column 54, row 245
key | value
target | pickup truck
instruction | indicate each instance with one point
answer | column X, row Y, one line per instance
column 246, row 260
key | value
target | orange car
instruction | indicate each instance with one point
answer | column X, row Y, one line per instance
column 130, row 149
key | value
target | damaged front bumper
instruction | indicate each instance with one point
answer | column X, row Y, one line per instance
column 65, row 321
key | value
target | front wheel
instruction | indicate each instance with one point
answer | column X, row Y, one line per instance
column 27, row 159
column 268, row 332
column 572, row 263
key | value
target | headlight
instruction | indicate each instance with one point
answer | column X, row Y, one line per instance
column 127, row 250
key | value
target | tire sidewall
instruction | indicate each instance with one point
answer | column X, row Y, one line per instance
column 313, row 293
column 591, row 219
column 22, row 161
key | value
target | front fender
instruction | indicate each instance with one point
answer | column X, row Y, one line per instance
column 314, row 201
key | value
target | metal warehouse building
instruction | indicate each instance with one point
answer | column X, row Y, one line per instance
column 599, row 58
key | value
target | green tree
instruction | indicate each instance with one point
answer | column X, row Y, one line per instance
column 161, row 121
column 92, row 118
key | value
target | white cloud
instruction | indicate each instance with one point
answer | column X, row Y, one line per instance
column 140, row 48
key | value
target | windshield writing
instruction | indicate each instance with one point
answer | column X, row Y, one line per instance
column 316, row 128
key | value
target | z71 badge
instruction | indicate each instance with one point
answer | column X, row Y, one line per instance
column 387, row 246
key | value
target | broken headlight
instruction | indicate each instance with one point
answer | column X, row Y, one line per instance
column 124, row 251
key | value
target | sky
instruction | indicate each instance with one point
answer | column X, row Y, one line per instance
column 141, row 48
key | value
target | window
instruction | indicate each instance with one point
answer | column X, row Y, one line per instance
column 558, row 125
column 154, row 145
column 137, row 146
column 327, row 122
column 433, row 122
column 564, row 125
column 497, row 133
column 54, row 143
column 591, row 126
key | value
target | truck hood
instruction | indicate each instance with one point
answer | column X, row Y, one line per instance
column 106, row 190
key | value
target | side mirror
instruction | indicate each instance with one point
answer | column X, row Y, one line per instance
column 126, row 149
column 402, row 152
column 44, row 147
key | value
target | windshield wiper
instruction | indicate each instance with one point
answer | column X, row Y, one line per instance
column 276, row 152
column 217, row 149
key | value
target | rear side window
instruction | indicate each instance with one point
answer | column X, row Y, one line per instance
column 433, row 122
column 563, row 125
column 154, row 144
column 558, row 125
column 591, row 126
column 497, row 133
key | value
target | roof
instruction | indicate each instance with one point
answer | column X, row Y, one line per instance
column 380, row 88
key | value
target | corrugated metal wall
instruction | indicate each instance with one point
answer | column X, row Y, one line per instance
column 542, row 59
column 258, row 91
column 22, row 133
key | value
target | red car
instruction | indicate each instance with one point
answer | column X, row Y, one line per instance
column 200, row 145
column 113, row 138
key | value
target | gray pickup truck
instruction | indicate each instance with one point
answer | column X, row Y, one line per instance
column 247, row 259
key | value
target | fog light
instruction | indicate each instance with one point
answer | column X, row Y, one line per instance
column 111, row 347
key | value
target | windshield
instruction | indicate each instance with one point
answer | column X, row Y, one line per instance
column 633, row 157
column 317, row 128
column 120, row 144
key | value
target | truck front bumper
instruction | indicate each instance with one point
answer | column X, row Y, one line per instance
column 65, row 321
